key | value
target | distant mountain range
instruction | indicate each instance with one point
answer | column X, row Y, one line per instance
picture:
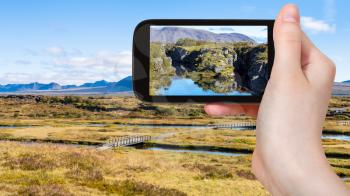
column 341, row 88
column 123, row 87
column 100, row 87
column 172, row 34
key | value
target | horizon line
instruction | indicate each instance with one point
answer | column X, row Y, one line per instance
column 22, row 83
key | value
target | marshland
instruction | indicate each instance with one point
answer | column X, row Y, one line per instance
column 49, row 145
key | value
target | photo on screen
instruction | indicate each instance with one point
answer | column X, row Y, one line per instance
column 208, row 60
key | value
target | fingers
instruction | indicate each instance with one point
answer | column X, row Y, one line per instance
column 287, row 41
column 317, row 67
column 251, row 110
column 221, row 109
column 307, row 48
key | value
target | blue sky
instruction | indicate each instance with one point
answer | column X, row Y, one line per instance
column 77, row 41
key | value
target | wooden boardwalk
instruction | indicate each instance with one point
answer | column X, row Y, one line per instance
column 132, row 140
column 343, row 122
column 125, row 141
column 235, row 125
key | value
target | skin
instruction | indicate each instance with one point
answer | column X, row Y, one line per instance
column 289, row 158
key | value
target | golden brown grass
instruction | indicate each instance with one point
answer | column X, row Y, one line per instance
column 68, row 170
column 80, row 133
column 110, row 108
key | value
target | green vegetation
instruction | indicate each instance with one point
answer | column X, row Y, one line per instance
column 340, row 102
column 189, row 42
column 161, row 69
column 211, row 65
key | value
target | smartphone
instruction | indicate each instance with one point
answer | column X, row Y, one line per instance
column 202, row 61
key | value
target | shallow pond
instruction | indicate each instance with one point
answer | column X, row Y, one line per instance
column 94, row 125
column 236, row 128
column 185, row 86
column 336, row 137
column 194, row 151
column 188, row 126
column 14, row 126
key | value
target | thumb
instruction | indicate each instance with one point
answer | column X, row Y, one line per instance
column 287, row 41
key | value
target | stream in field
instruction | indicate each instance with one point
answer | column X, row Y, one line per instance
column 336, row 137
column 342, row 137
column 196, row 151
column 14, row 126
column 236, row 128
column 194, row 126
column 182, row 126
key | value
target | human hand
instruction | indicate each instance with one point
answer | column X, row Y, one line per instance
column 289, row 158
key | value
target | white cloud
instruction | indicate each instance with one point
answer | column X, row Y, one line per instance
column 55, row 50
column 104, row 65
column 317, row 26
column 123, row 57
column 74, row 68
column 103, row 58
column 14, row 77
column 48, row 77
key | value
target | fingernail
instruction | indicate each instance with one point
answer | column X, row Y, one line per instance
column 291, row 14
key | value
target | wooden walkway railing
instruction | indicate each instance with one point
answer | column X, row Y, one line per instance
column 238, row 124
column 125, row 141
column 343, row 122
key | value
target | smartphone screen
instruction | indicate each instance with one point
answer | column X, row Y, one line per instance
column 208, row 60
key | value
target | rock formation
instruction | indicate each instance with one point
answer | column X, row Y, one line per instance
column 223, row 69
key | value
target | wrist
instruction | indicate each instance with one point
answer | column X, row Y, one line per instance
column 299, row 170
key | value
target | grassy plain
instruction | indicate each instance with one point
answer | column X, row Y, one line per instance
column 67, row 170
column 33, row 168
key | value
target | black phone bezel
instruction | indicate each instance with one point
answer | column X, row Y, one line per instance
column 140, row 59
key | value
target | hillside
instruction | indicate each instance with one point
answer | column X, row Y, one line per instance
column 99, row 87
column 341, row 88
column 172, row 34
